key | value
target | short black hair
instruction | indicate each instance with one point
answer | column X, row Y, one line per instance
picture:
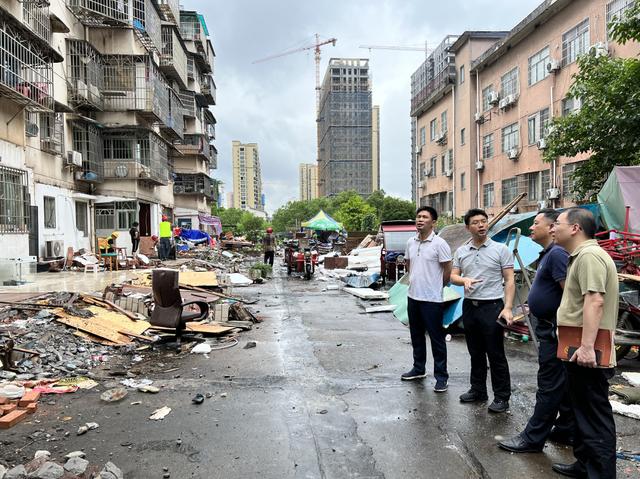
column 432, row 211
column 135, row 223
column 584, row 219
column 474, row 212
column 549, row 213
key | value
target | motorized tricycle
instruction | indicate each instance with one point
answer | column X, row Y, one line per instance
column 300, row 258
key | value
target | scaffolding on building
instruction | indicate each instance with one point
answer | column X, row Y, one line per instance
column 26, row 76
column 87, row 140
column 134, row 83
column 85, row 75
column 173, row 56
column 135, row 154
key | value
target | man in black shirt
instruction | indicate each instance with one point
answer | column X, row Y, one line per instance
column 134, row 232
column 544, row 300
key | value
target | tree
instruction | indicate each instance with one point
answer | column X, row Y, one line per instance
column 353, row 212
column 229, row 217
column 607, row 126
column 397, row 209
column 251, row 226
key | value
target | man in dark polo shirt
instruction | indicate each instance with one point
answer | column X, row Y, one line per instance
column 552, row 416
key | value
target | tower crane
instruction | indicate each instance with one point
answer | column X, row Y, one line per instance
column 316, row 50
column 399, row 47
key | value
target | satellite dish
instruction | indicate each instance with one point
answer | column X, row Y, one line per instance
column 121, row 171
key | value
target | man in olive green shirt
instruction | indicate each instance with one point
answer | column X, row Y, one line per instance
column 590, row 301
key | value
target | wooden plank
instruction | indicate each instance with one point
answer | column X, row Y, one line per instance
column 196, row 327
column 630, row 277
column 117, row 321
column 90, row 325
column 366, row 293
column 197, row 278
column 95, row 339
column 380, row 309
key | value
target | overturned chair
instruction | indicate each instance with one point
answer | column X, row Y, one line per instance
column 169, row 310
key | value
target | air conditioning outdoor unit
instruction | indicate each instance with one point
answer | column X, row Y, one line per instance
column 31, row 129
column 448, row 173
column 479, row 165
column 441, row 139
column 600, row 49
column 421, row 184
column 478, row 117
column 542, row 144
column 494, row 97
column 513, row 154
column 508, row 100
column 54, row 248
column 74, row 158
column 553, row 193
column 553, row 65
column 418, row 150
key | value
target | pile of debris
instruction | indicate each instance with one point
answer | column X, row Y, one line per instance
column 73, row 465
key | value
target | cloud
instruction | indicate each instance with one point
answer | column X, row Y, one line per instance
column 273, row 103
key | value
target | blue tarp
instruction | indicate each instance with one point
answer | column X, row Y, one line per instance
column 195, row 236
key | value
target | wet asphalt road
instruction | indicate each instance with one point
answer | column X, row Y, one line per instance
column 318, row 397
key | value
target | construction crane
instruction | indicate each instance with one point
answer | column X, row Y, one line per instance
column 399, row 47
column 316, row 49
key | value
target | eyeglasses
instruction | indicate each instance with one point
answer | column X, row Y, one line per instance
column 556, row 223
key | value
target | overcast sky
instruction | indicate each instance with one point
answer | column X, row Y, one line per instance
column 273, row 103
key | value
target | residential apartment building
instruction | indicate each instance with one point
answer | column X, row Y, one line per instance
column 501, row 98
column 308, row 181
column 345, row 134
column 105, row 121
column 247, row 178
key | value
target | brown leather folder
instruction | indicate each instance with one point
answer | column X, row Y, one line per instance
column 570, row 338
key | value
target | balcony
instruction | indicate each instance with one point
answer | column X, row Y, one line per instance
column 207, row 90
column 134, row 83
column 135, row 154
column 85, row 75
column 442, row 81
column 174, row 128
column 101, row 13
column 173, row 57
column 35, row 15
column 189, row 103
column 171, row 11
column 194, row 185
column 87, row 140
column 193, row 145
column 213, row 163
column 147, row 24
column 191, row 27
column 26, row 76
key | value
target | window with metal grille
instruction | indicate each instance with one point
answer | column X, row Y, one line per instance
column 537, row 125
column 126, row 212
column 509, row 83
column 509, row 190
column 567, row 178
column 443, row 121
column 463, row 185
column 462, row 136
column 433, row 171
column 487, row 146
column 510, row 137
column 538, row 66
column 461, row 75
column 485, row 98
column 433, row 126
column 49, row 212
column 423, row 136
column 575, row 42
column 616, row 10
column 82, row 218
column 14, row 201
column 488, row 197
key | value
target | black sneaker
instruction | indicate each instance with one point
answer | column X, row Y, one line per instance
column 441, row 386
column 473, row 396
column 413, row 374
column 498, row 406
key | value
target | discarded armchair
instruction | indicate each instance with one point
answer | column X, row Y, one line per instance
column 169, row 310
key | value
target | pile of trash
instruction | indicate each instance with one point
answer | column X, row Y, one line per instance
column 73, row 464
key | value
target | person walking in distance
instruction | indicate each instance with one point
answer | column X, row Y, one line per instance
column 589, row 302
column 134, row 232
column 269, row 246
column 485, row 269
column 164, row 247
column 552, row 415
column 428, row 260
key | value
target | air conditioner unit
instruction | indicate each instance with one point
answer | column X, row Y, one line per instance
column 448, row 173
column 478, row 117
column 600, row 49
column 553, row 65
column 479, row 165
column 54, row 249
column 81, row 89
column 513, row 154
column 31, row 129
column 144, row 174
column 493, row 97
column 441, row 139
column 553, row 193
column 421, row 184
column 418, row 150
column 542, row 144
column 507, row 101
column 426, row 173
column 121, row 171
column 74, row 158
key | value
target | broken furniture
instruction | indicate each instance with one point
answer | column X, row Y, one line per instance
column 169, row 311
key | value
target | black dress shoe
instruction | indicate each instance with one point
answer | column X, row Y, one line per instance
column 570, row 470
column 560, row 437
column 473, row 396
column 498, row 406
column 518, row 444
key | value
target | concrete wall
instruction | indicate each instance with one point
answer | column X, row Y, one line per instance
column 13, row 245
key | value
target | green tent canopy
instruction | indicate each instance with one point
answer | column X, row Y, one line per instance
column 322, row 222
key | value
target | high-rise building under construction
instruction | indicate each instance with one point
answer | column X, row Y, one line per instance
column 348, row 156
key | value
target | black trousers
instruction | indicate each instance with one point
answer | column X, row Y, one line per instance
column 426, row 317
column 268, row 257
column 595, row 438
column 134, row 245
column 485, row 341
column 553, row 404
column 164, row 248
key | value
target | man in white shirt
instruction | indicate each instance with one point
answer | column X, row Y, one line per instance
column 428, row 259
